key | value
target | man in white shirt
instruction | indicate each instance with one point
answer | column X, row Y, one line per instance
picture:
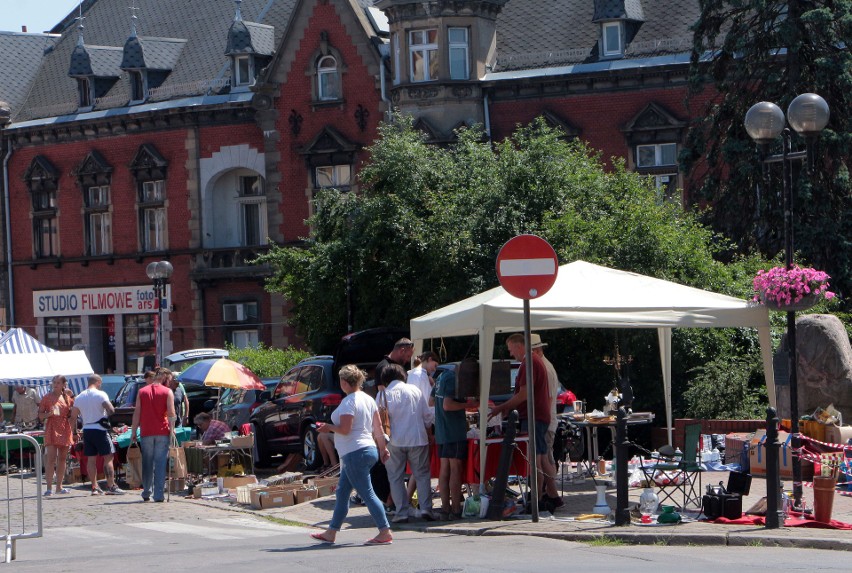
column 422, row 375
column 410, row 418
column 94, row 407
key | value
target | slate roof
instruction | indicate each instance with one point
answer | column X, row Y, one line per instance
column 619, row 10
column 98, row 61
column 548, row 33
column 250, row 38
column 20, row 58
column 185, row 36
column 151, row 53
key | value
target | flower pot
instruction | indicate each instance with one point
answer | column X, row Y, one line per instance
column 805, row 303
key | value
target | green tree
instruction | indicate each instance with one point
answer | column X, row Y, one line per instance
column 746, row 51
column 427, row 226
column 266, row 362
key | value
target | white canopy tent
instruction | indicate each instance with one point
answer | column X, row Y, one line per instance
column 590, row 296
column 26, row 361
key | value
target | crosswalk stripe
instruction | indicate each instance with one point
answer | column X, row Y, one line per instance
column 92, row 533
column 220, row 533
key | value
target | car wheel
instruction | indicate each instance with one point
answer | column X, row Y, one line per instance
column 260, row 450
column 310, row 448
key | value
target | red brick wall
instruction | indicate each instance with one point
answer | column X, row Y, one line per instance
column 359, row 87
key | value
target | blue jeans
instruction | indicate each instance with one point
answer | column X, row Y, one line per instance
column 355, row 473
column 155, row 455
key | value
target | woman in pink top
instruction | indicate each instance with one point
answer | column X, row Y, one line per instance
column 54, row 411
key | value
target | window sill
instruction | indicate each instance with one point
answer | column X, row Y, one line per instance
column 327, row 103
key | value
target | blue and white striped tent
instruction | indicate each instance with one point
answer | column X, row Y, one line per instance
column 26, row 361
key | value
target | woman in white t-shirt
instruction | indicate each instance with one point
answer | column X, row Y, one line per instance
column 357, row 430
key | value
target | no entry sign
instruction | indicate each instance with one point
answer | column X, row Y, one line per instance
column 527, row 266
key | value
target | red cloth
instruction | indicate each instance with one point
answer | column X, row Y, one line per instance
column 518, row 466
column 541, row 406
column 795, row 521
column 152, row 403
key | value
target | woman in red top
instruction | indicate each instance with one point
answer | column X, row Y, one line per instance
column 54, row 411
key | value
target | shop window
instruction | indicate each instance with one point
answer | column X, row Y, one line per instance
column 612, row 36
column 458, row 50
column 98, row 221
column 423, row 55
column 63, row 332
column 334, row 176
column 139, row 331
column 328, row 79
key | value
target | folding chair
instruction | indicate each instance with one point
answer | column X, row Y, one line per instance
column 684, row 474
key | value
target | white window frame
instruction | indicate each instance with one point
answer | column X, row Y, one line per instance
column 427, row 50
column 100, row 233
column 658, row 155
column 239, row 80
column 154, row 217
column 245, row 338
column 607, row 50
column 327, row 71
column 156, row 189
column 338, row 176
column 396, row 61
column 462, row 48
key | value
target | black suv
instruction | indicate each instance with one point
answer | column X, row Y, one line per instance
column 310, row 391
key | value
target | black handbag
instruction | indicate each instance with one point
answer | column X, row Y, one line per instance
column 718, row 502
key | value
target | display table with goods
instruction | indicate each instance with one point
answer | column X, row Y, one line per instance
column 592, row 421
column 230, row 456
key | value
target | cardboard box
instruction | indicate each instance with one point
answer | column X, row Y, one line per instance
column 230, row 482
column 206, row 488
column 275, row 498
column 757, row 457
column 243, row 441
column 812, row 429
column 257, row 494
column 324, row 486
column 177, row 485
column 303, row 495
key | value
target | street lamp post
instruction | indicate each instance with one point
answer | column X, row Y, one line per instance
column 764, row 122
column 159, row 272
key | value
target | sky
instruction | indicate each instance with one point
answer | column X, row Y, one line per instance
column 36, row 15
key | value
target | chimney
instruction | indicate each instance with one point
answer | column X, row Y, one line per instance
column 24, row 29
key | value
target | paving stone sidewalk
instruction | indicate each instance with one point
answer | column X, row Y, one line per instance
column 580, row 498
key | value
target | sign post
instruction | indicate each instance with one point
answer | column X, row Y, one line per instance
column 526, row 268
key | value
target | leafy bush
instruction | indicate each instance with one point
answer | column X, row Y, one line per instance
column 727, row 387
column 267, row 362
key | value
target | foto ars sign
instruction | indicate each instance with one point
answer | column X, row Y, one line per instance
column 527, row 266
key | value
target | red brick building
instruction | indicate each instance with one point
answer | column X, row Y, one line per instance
column 201, row 137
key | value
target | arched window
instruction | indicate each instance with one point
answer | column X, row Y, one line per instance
column 328, row 79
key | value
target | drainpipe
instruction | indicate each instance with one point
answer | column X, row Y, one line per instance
column 487, row 113
column 11, row 316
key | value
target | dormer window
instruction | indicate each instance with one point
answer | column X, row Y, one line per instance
column 423, row 55
column 612, row 39
column 84, row 92
column 137, row 86
column 328, row 79
column 243, row 71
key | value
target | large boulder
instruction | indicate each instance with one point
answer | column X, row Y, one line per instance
column 824, row 368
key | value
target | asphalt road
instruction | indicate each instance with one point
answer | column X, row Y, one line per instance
column 229, row 542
